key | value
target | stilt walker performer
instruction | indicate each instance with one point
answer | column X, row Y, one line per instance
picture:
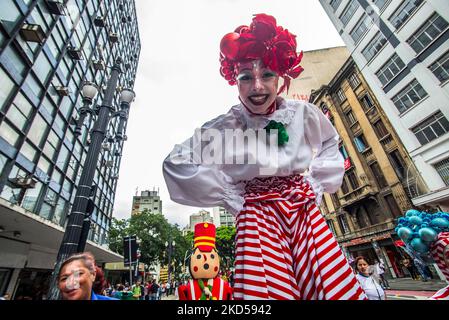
column 273, row 177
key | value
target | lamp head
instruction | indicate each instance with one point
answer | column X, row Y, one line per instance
column 89, row 91
column 127, row 96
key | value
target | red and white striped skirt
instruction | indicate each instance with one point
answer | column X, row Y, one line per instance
column 284, row 248
column 440, row 253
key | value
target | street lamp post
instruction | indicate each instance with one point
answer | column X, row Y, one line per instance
column 75, row 235
column 170, row 245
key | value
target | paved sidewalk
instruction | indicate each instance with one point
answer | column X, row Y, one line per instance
column 408, row 284
column 170, row 297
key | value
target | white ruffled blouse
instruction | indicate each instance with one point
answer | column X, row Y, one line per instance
column 198, row 184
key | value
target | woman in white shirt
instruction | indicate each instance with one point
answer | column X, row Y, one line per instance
column 271, row 182
column 371, row 287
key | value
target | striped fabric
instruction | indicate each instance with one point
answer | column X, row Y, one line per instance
column 284, row 248
column 440, row 253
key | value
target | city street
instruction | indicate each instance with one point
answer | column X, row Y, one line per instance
column 401, row 289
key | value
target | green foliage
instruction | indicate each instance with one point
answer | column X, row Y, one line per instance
column 225, row 243
column 153, row 230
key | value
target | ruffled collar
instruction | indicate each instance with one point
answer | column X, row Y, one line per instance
column 285, row 112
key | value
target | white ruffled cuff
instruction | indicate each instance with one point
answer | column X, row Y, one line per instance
column 316, row 187
column 233, row 197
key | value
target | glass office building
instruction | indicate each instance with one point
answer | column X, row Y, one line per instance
column 48, row 49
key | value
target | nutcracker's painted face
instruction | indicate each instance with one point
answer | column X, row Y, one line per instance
column 204, row 265
column 257, row 86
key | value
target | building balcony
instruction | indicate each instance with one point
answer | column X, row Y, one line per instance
column 356, row 195
column 371, row 231
column 356, row 128
column 368, row 154
column 388, row 143
column 372, row 114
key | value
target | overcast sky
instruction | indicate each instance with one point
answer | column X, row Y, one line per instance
column 179, row 86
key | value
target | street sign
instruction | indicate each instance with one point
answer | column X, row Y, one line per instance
column 130, row 250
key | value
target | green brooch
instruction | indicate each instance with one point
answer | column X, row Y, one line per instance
column 282, row 132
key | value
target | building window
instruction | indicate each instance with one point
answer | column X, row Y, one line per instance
column 380, row 129
column 344, row 187
column 335, row 4
column 351, row 118
column 348, row 12
column 343, row 224
column 7, row 87
column 354, row 81
column 335, row 200
column 360, row 28
column 409, row 96
column 398, row 164
column 428, row 32
column 393, row 206
column 430, row 129
column 353, row 179
column 403, row 12
column 390, row 69
column 343, row 152
column 341, row 95
column 440, row 68
column 9, row 134
column 367, row 102
column 378, row 175
column 442, row 168
column 330, row 224
column 360, row 143
column 374, row 46
column 9, row 15
column 380, row 4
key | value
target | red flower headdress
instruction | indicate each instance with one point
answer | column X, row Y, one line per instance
column 264, row 40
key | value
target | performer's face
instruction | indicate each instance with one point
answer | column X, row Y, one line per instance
column 257, row 86
column 204, row 265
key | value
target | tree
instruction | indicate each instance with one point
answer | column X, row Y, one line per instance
column 225, row 243
column 153, row 230
column 118, row 229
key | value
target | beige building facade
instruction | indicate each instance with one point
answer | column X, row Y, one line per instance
column 380, row 178
column 320, row 66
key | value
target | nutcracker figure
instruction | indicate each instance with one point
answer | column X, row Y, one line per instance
column 204, row 267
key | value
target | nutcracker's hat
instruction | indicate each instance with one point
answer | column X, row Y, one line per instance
column 204, row 236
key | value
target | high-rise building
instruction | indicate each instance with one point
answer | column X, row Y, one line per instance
column 149, row 201
column 374, row 191
column 201, row 216
column 48, row 50
column 222, row 217
column 402, row 50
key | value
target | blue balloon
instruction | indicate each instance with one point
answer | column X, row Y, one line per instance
column 440, row 223
column 419, row 246
column 405, row 234
column 411, row 212
column 427, row 234
column 415, row 220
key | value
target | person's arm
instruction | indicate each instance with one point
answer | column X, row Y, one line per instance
column 192, row 182
column 327, row 167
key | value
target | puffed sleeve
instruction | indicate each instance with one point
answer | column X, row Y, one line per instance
column 326, row 170
column 192, row 182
